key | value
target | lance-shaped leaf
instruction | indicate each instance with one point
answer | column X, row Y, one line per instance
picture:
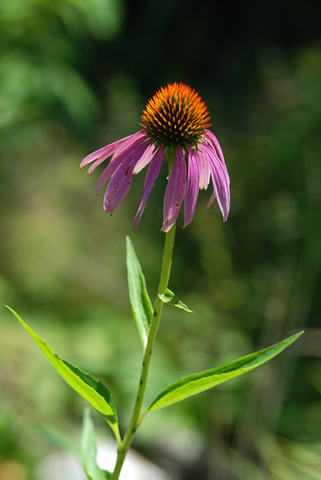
column 139, row 299
column 193, row 384
column 88, row 450
column 87, row 386
column 170, row 298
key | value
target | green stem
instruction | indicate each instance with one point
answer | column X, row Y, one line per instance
column 137, row 418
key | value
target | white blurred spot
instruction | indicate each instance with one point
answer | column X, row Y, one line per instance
column 66, row 466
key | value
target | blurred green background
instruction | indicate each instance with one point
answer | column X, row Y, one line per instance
column 75, row 76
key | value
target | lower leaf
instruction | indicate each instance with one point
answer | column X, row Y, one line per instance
column 193, row 384
column 87, row 386
column 88, row 450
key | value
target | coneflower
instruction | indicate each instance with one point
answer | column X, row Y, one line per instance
column 175, row 120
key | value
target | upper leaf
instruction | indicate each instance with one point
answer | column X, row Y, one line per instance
column 88, row 450
column 170, row 298
column 87, row 386
column 188, row 386
column 139, row 299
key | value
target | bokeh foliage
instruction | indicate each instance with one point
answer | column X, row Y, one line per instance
column 74, row 76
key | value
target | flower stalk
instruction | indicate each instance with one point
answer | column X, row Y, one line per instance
column 137, row 416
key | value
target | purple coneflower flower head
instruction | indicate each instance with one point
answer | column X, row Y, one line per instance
column 175, row 120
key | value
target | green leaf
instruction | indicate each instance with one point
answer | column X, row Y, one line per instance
column 193, row 384
column 139, row 299
column 170, row 298
column 88, row 450
column 87, row 386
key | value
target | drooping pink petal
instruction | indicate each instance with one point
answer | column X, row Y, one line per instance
column 206, row 162
column 99, row 155
column 216, row 144
column 145, row 159
column 192, row 187
column 211, row 200
column 175, row 191
column 220, row 182
column 123, row 144
column 151, row 176
column 204, row 169
column 128, row 141
column 121, row 181
column 205, row 172
column 118, row 187
column 105, row 152
column 217, row 148
column 118, row 159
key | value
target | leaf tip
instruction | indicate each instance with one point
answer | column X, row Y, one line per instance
column 128, row 240
column 11, row 310
column 296, row 336
column 170, row 298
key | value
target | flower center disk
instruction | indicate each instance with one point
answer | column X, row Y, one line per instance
column 175, row 115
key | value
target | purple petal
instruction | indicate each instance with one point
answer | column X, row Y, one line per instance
column 205, row 157
column 100, row 154
column 106, row 151
column 121, row 181
column 192, row 188
column 211, row 200
column 128, row 141
column 175, row 191
column 118, row 187
column 220, row 182
column 151, row 176
column 121, row 155
column 216, row 148
column 145, row 159
column 216, row 144
column 204, row 169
